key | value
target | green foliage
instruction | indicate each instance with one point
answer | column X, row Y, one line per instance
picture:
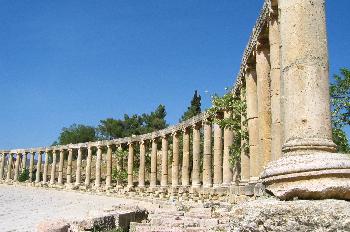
column 24, row 176
column 120, row 175
column 340, row 102
column 236, row 121
column 76, row 134
column 133, row 125
column 194, row 109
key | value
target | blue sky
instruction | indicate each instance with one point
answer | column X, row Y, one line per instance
column 65, row 62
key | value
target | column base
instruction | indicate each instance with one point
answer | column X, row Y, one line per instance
column 309, row 175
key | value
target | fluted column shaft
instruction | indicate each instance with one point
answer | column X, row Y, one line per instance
column 109, row 167
column 131, row 165
column 60, row 168
column 142, row 164
column 46, row 166
column 164, row 179
column 217, row 155
column 24, row 161
column 252, row 117
column 264, row 102
column 186, row 158
column 69, row 166
column 2, row 166
column 38, row 166
column 245, row 158
column 88, row 167
column 53, row 167
column 9, row 167
column 175, row 162
column 78, row 171
column 98, row 167
column 153, row 182
column 18, row 159
column 196, row 156
column 226, row 164
column 31, row 166
column 207, row 176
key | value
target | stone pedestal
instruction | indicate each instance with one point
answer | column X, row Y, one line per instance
column 308, row 169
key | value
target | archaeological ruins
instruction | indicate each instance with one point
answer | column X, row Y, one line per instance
column 291, row 155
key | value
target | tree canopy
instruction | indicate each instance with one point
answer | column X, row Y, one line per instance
column 76, row 133
column 194, row 109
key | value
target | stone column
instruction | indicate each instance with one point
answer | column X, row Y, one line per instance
column 31, row 166
column 18, row 159
column 175, row 162
column 196, row 156
column 226, row 164
column 131, row 165
column 24, row 161
column 164, row 179
column 46, row 166
column 109, row 166
column 38, row 166
column 207, row 176
column 153, row 182
column 142, row 164
column 2, row 165
column 308, row 168
column 276, row 128
column 53, row 167
column 186, row 158
column 119, row 163
column 69, row 166
column 264, row 101
column 252, row 118
column 217, row 156
column 78, row 171
column 98, row 167
column 245, row 159
column 88, row 167
column 9, row 167
column 60, row 168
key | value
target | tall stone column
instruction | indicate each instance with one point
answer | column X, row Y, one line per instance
column 78, row 171
column 308, row 167
column 24, row 161
column 2, row 165
column 226, row 164
column 9, row 167
column 131, row 165
column 109, row 166
column 69, row 166
column 276, row 128
column 142, row 164
column 88, row 167
column 207, row 176
column 245, row 158
column 18, row 159
column 175, row 162
column 217, row 156
column 186, row 158
column 252, row 118
column 119, row 163
column 98, row 167
column 31, row 166
column 264, row 101
column 53, row 167
column 38, row 166
column 153, row 182
column 60, row 167
column 164, row 179
column 46, row 166
column 196, row 156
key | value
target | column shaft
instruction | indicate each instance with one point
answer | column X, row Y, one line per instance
column 142, row 164
column 245, row 159
column 207, row 176
column 38, row 166
column 226, row 164
column 186, row 158
column 217, row 155
column 88, row 167
column 98, row 167
column 78, row 171
column 9, row 167
column 69, row 166
column 18, row 159
column 153, row 182
column 53, row 167
column 46, row 166
column 60, row 168
column 24, row 162
column 31, row 167
column 131, row 165
column 196, row 156
column 109, row 167
column 175, row 163
column 2, row 166
column 164, row 179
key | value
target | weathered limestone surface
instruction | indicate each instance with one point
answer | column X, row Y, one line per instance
column 273, row 215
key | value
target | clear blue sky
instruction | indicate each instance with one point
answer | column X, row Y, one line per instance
column 65, row 62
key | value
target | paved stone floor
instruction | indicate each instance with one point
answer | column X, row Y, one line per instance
column 22, row 208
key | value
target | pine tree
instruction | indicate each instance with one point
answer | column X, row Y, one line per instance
column 194, row 109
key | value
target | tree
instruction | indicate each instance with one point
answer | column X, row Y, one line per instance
column 340, row 103
column 76, row 134
column 194, row 109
